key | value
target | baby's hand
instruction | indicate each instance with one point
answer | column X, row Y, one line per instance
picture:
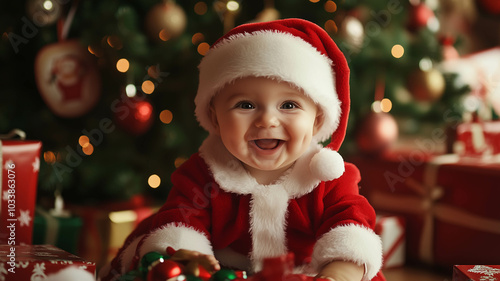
column 192, row 259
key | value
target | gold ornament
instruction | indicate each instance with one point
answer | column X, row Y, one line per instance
column 426, row 85
column 165, row 21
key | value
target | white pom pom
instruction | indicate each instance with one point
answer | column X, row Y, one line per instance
column 327, row 165
column 71, row 273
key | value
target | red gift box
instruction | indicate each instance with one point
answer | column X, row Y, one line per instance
column 449, row 204
column 476, row 272
column 478, row 139
column 41, row 262
column 105, row 227
column 20, row 165
column 391, row 230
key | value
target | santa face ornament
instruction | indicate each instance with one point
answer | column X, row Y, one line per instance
column 68, row 78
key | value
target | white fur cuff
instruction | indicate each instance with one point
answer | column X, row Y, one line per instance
column 178, row 237
column 350, row 243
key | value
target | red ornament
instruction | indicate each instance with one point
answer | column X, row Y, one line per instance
column 164, row 270
column 203, row 273
column 134, row 115
column 376, row 132
column 419, row 16
column 68, row 79
column 490, row 6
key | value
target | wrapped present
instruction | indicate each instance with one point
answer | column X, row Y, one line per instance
column 106, row 227
column 449, row 204
column 478, row 139
column 57, row 226
column 42, row 262
column 391, row 230
column 18, row 183
column 61, row 231
column 476, row 272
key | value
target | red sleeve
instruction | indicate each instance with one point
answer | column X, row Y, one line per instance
column 343, row 204
column 189, row 200
column 346, row 228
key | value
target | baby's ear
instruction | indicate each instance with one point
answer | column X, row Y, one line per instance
column 213, row 118
column 318, row 122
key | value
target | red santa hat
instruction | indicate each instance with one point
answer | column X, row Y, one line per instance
column 290, row 50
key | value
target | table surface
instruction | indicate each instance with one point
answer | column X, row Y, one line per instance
column 408, row 273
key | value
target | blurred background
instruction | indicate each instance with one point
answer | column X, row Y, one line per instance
column 108, row 86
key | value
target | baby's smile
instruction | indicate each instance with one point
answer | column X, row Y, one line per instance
column 267, row 144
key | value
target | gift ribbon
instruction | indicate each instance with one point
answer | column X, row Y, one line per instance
column 429, row 193
column 52, row 227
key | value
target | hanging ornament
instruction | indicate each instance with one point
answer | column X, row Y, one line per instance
column 419, row 17
column 352, row 31
column 426, row 85
column 165, row 21
column 43, row 12
column 67, row 78
column 133, row 115
column 376, row 132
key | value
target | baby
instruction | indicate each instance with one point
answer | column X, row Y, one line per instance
column 261, row 184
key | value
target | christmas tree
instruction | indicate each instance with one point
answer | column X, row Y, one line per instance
column 124, row 119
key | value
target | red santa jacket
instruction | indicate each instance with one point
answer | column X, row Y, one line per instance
column 216, row 207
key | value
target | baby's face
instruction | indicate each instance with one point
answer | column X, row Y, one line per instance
column 264, row 123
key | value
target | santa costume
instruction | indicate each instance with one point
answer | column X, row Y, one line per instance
column 314, row 210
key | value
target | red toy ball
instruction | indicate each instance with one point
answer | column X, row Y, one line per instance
column 164, row 270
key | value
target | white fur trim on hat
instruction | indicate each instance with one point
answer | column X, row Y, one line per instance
column 327, row 165
column 272, row 54
column 74, row 272
column 353, row 243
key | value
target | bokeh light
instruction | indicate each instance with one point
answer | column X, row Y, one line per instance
column 166, row 116
column 49, row 157
column 154, row 181
column 330, row 6
column 148, row 87
column 203, row 48
column 385, row 105
column 200, row 8
column 130, row 90
column 331, row 26
column 397, row 51
column 122, row 65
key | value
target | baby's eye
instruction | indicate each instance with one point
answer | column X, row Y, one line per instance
column 244, row 105
column 289, row 105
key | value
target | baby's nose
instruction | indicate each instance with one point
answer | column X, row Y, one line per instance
column 267, row 119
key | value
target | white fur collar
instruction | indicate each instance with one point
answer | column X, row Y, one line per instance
column 231, row 176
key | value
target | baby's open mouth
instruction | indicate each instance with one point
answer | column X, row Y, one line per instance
column 267, row 144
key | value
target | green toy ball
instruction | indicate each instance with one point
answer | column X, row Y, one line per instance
column 223, row 275
column 149, row 258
